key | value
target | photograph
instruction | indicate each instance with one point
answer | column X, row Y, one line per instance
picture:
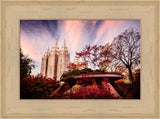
column 80, row 59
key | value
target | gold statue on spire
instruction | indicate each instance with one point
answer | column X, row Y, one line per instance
column 56, row 40
column 56, row 37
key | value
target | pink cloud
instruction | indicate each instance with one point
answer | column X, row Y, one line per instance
column 74, row 30
column 93, row 25
column 35, row 46
column 73, row 33
column 111, row 27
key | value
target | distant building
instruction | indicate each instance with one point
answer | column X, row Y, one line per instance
column 80, row 64
column 76, row 60
column 54, row 63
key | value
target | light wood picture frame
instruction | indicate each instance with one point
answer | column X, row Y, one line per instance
column 12, row 11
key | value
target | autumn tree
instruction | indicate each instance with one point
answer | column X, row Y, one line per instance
column 26, row 65
column 80, row 65
column 106, row 57
column 72, row 66
column 95, row 56
column 126, row 50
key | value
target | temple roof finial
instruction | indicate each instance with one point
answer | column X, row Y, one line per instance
column 48, row 48
column 56, row 37
column 56, row 41
column 64, row 43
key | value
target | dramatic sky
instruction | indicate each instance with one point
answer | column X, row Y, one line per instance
column 37, row 35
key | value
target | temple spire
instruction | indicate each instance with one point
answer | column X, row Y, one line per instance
column 64, row 43
column 48, row 49
column 55, row 47
column 47, row 52
column 56, row 41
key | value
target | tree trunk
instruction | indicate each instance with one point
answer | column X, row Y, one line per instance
column 130, row 74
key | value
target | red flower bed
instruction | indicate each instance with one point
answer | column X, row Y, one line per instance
column 37, row 87
column 87, row 88
column 84, row 88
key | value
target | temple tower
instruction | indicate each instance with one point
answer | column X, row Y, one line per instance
column 63, row 60
column 55, row 62
column 76, row 60
column 44, row 63
column 52, row 61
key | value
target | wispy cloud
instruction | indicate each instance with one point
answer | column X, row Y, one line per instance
column 107, row 29
column 34, row 42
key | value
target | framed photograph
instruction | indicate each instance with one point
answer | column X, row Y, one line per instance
column 80, row 59
column 92, row 62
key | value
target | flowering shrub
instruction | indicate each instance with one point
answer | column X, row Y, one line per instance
column 130, row 91
column 77, row 66
column 87, row 88
column 40, row 87
column 37, row 87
